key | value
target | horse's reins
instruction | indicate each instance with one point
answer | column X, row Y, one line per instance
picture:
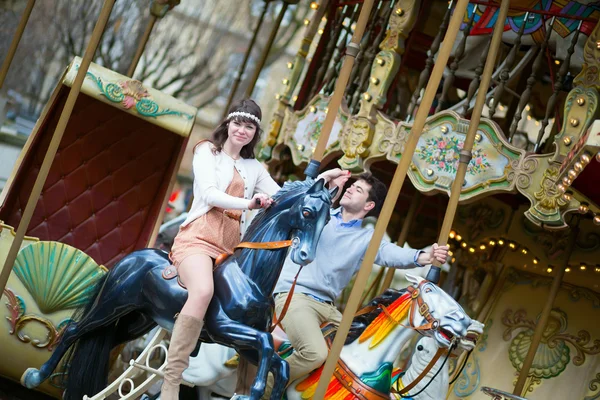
column 435, row 358
column 267, row 246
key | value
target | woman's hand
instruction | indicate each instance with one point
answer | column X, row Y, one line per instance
column 260, row 200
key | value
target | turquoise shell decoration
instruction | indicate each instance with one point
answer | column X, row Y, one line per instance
column 58, row 276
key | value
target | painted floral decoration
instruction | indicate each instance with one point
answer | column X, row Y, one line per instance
column 442, row 153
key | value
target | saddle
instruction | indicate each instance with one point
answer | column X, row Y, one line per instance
column 344, row 375
column 170, row 272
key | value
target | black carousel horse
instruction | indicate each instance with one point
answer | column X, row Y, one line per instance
column 134, row 297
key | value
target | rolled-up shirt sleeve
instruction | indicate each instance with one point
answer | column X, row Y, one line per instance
column 205, row 180
column 390, row 255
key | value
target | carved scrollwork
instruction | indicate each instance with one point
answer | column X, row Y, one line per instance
column 553, row 354
column 18, row 320
column 594, row 387
column 552, row 242
column 589, row 242
column 393, row 141
column 591, row 56
column 523, row 172
column 479, row 217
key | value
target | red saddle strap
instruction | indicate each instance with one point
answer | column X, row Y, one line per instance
column 267, row 246
column 277, row 320
column 254, row 245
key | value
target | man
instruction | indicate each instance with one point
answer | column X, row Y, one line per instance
column 339, row 254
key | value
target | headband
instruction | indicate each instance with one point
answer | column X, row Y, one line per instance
column 244, row 114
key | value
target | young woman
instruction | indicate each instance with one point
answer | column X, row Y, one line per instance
column 228, row 181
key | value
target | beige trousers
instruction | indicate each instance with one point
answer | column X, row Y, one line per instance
column 302, row 324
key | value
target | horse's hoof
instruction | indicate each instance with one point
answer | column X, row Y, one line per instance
column 31, row 378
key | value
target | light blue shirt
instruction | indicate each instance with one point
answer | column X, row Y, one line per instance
column 339, row 255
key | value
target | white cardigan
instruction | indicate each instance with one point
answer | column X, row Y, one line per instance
column 213, row 174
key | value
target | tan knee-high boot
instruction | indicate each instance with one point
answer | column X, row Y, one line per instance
column 183, row 341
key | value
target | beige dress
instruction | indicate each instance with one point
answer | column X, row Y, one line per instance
column 214, row 233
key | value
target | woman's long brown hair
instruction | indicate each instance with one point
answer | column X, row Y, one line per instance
column 220, row 134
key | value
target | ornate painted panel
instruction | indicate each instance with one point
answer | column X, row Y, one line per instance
column 301, row 129
column 494, row 167
column 568, row 355
column 133, row 97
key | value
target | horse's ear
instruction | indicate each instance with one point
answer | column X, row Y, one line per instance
column 317, row 187
column 413, row 278
column 333, row 192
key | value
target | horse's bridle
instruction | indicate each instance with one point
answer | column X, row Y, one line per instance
column 432, row 324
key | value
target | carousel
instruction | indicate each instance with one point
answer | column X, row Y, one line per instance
column 484, row 111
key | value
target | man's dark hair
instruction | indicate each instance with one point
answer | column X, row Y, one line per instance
column 376, row 194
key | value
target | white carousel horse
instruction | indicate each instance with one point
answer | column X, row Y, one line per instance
column 209, row 370
column 377, row 338
column 437, row 382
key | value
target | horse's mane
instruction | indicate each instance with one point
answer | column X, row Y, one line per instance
column 360, row 323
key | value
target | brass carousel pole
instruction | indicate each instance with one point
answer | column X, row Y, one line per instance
column 352, row 49
column 410, row 217
column 465, row 153
column 158, row 9
column 240, row 73
column 56, row 138
column 141, row 46
column 541, row 325
column 15, row 42
column 266, row 50
column 394, row 191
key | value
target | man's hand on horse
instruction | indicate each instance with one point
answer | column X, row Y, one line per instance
column 336, row 177
column 437, row 252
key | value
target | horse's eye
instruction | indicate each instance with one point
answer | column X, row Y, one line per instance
column 427, row 290
column 306, row 213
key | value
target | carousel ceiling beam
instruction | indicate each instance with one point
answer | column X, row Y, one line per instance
column 15, row 42
column 158, row 9
column 240, row 73
column 541, row 325
column 465, row 153
column 536, row 11
column 267, row 49
column 352, row 49
column 55, row 141
column 394, row 191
